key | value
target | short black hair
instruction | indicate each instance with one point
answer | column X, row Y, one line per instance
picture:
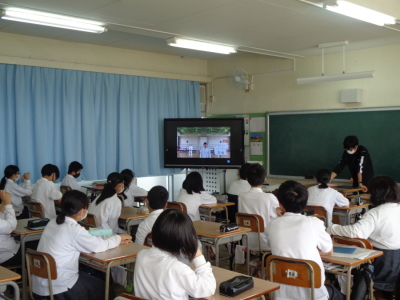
column 383, row 189
column 350, row 142
column 193, row 183
column 74, row 167
column 157, row 197
column 113, row 179
column 323, row 177
column 8, row 172
column 128, row 176
column 256, row 174
column 71, row 203
column 293, row 196
column 243, row 171
column 174, row 233
column 49, row 169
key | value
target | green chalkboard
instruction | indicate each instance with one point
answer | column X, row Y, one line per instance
column 303, row 143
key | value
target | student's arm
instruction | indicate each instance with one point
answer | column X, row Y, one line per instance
column 341, row 200
column 55, row 194
column 21, row 190
column 325, row 253
column 324, row 241
column 114, row 213
column 141, row 233
column 87, row 243
column 360, row 183
column 206, row 198
column 8, row 224
column 339, row 167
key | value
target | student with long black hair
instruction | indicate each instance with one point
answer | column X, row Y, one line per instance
column 64, row 239
column 107, row 207
column 24, row 188
column 131, row 190
column 158, row 272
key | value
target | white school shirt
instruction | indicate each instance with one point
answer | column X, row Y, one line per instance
column 131, row 192
column 205, row 153
column 193, row 201
column 300, row 237
column 70, row 181
column 257, row 202
column 239, row 186
column 327, row 198
column 17, row 192
column 107, row 213
column 65, row 243
column 379, row 225
column 146, row 226
column 160, row 276
column 45, row 192
column 8, row 222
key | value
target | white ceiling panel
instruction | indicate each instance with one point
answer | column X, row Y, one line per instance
column 35, row 30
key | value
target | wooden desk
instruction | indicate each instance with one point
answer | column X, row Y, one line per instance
column 103, row 261
column 95, row 189
column 130, row 217
column 347, row 191
column 348, row 211
column 217, row 207
column 349, row 264
column 211, row 230
column 7, row 277
column 26, row 235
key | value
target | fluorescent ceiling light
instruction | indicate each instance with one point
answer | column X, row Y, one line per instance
column 202, row 46
column 53, row 20
column 346, row 76
column 361, row 13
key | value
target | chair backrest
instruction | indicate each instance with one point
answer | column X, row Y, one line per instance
column 252, row 221
column 295, row 272
column 42, row 265
column 362, row 243
column 35, row 209
column 321, row 212
column 89, row 222
column 64, row 189
column 127, row 296
column 148, row 241
column 177, row 205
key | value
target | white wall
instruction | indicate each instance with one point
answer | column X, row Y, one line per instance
column 280, row 92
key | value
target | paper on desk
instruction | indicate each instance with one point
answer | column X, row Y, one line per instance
column 358, row 254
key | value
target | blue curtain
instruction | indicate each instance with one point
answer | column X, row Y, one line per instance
column 105, row 121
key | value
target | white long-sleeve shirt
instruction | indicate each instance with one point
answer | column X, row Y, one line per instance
column 18, row 191
column 146, row 226
column 160, row 276
column 239, row 186
column 131, row 192
column 193, row 201
column 8, row 222
column 328, row 198
column 65, row 242
column 45, row 192
column 257, row 202
column 107, row 213
column 379, row 225
column 70, row 181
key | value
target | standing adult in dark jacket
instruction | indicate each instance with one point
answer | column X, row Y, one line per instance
column 359, row 162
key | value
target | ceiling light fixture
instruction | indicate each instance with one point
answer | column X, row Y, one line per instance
column 53, row 20
column 202, row 46
column 361, row 13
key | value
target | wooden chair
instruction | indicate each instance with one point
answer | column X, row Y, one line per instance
column 177, row 205
column 148, row 241
column 256, row 224
column 361, row 243
column 89, row 222
column 42, row 265
column 321, row 212
column 127, row 296
column 35, row 209
column 295, row 272
column 64, row 189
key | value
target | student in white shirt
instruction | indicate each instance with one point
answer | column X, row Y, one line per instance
column 323, row 195
column 45, row 192
column 297, row 236
column 74, row 171
column 160, row 275
column 11, row 174
column 205, row 152
column 107, row 207
column 131, row 190
column 241, row 185
column 380, row 226
column 257, row 202
column 64, row 239
column 193, row 194
column 156, row 202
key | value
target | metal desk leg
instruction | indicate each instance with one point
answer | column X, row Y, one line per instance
column 348, row 288
column 209, row 214
column 108, row 273
column 15, row 286
column 247, row 253
column 226, row 214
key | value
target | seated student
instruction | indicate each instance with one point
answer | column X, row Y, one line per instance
column 156, row 202
column 11, row 174
column 45, row 192
column 131, row 190
column 107, row 207
column 257, row 202
column 193, row 194
column 380, row 226
column 241, row 185
column 297, row 236
column 64, row 239
column 74, row 171
column 323, row 195
column 158, row 273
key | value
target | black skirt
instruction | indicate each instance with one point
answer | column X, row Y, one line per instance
column 386, row 270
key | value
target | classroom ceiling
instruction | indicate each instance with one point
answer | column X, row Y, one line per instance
column 285, row 26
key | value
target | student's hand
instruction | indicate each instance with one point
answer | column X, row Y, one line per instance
column 27, row 176
column 198, row 253
column 364, row 188
column 325, row 253
column 125, row 239
column 5, row 198
column 279, row 212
